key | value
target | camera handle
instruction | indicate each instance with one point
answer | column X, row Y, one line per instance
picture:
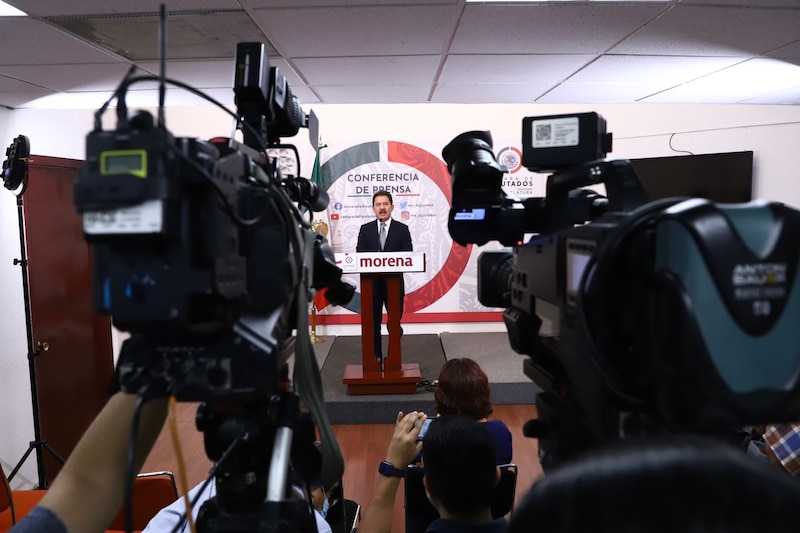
column 623, row 189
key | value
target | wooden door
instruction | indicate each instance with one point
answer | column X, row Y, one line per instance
column 74, row 374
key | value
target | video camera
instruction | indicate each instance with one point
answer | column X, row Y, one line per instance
column 677, row 315
column 202, row 252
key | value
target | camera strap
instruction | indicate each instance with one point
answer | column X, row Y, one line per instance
column 306, row 376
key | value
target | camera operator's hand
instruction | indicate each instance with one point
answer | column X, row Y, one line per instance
column 403, row 449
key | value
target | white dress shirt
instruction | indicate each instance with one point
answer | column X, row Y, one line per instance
column 168, row 517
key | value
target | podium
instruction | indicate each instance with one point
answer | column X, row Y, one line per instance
column 395, row 377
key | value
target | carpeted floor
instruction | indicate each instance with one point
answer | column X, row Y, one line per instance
column 491, row 350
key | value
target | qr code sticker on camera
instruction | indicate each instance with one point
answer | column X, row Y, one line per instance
column 544, row 132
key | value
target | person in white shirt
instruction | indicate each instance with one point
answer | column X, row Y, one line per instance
column 168, row 518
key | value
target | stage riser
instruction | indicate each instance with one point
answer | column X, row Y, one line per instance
column 502, row 365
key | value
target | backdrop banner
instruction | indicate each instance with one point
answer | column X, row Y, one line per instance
column 421, row 191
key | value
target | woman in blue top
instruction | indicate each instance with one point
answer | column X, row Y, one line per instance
column 463, row 389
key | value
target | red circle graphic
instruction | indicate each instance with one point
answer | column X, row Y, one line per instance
column 457, row 259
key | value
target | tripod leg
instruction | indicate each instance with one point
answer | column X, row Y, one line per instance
column 52, row 451
column 21, row 461
column 37, row 445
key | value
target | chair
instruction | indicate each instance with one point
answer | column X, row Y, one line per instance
column 343, row 515
column 6, row 498
column 152, row 491
column 14, row 504
column 420, row 512
column 505, row 491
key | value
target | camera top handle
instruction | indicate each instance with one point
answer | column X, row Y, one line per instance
column 623, row 189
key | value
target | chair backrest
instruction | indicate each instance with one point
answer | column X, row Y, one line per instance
column 152, row 491
column 6, row 497
column 420, row 512
column 343, row 515
column 505, row 492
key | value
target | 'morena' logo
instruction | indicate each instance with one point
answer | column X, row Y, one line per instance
column 385, row 262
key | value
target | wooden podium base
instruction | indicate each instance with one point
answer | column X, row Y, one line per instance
column 402, row 382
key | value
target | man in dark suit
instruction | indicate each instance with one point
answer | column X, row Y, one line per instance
column 383, row 235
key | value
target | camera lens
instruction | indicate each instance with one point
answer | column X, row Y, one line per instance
column 473, row 148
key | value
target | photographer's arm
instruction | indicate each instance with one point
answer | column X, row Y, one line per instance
column 88, row 491
column 403, row 449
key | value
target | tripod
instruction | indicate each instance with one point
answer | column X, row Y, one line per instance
column 37, row 444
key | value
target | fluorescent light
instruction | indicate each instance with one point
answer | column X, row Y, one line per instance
column 10, row 11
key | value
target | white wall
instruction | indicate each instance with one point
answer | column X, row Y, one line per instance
column 640, row 130
column 6, row 124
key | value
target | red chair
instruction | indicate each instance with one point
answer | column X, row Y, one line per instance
column 14, row 504
column 152, row 492
column 6, row 499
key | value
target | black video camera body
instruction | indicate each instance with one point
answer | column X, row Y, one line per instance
column 172, row 259
column 668, row 316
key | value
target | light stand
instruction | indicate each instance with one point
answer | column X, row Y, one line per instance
column 15, row 176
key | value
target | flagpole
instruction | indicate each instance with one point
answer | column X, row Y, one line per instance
column 314, row 338
column 318, row 225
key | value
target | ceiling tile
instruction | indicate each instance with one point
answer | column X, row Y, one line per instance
column 213, row 73
column 204, row 75
column 210, row 35
column 499, row 69
column 547, row 29
column 599, row 93
column 288, row 71
column 260, row 4
column 406, row 70
column 149, row 98
column 745, row 3
column 744, row 81
column 198, row 74
column 489, row 93
column 10, row 84
column 372, row 94
column 714, row 31
column 71, row 77
column 43, row 99
column 648, row 69
column 358, row 31
column 788, row 96
column 305, row 95
column 52, row 8
column 38, row 43
column 791, row 50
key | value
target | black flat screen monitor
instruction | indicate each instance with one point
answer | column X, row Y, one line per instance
column 722, row 178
